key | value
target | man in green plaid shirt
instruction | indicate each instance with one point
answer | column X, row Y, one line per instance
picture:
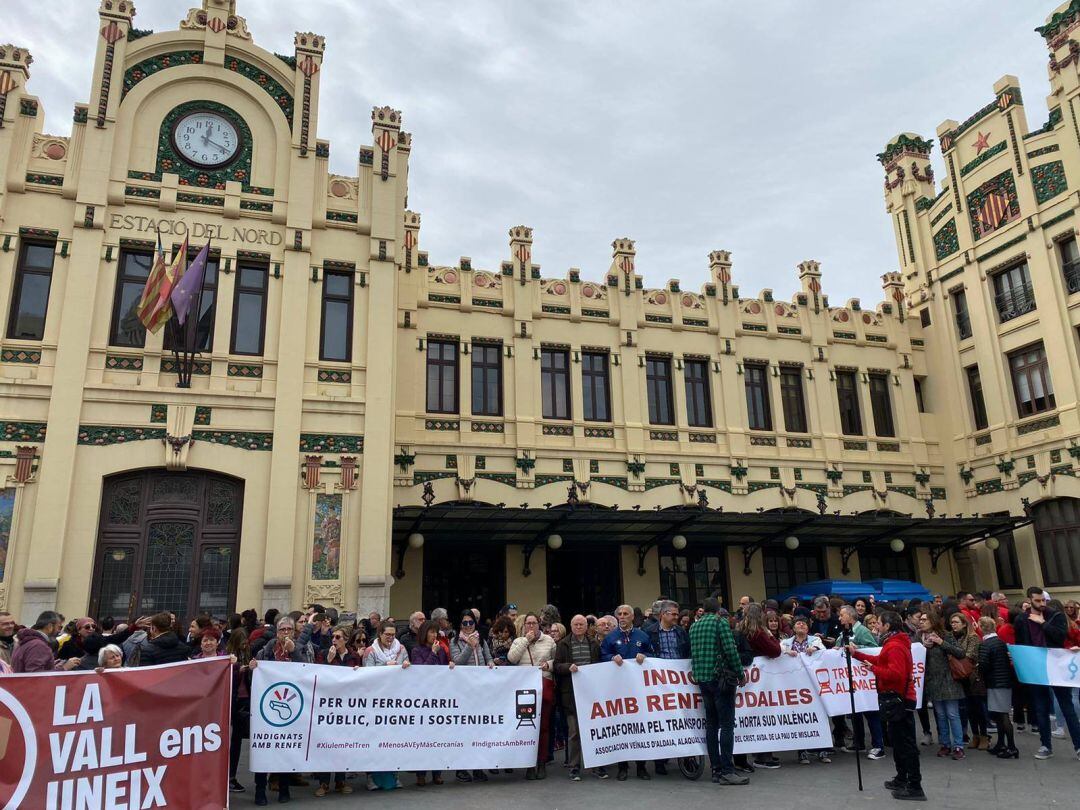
column 712, row 650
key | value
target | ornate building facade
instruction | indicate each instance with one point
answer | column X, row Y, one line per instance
column 370, row 429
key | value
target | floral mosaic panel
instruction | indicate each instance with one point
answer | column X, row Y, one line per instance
column 326, row 545
column 1048, row 180
column 946, row 240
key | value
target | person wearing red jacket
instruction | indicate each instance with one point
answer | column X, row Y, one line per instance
column 892, row 669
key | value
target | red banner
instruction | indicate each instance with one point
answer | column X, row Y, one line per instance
column 126, row 739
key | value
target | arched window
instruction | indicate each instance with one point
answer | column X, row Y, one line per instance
column 1057, row 533
column 167, row 541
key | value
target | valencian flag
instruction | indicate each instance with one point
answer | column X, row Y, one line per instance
column 155, row 308
column 149, row 300
column 185, row 294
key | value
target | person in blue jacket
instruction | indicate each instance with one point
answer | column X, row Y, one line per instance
column 624, row 643
column 670, row 641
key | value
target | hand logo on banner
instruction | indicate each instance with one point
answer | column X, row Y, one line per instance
column 281, row 704
column 18, row 750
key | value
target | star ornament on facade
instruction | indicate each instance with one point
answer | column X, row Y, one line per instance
column 982, row 142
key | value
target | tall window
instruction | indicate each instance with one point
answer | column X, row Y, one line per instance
column 978, row 404
column 698, row 398
column 881, row 405
column 249, row 309
column 883, row 563
column 1070, row 264
column 758, row 411
column 1006, row 562
column 204, row 334
column 30, row 298
column 690, row 576
column 487, row 379
column 658, row 388
column 785, row 569
column 132, row 270
column 847, row 395
column 1013, row 295
column 1057, row 535
column 791, row 398
column 555, row 383
column 920, row 394
column 963, row 319
column 595, row 387
column 335, row 342
column 1031, row 380
column 442, row 376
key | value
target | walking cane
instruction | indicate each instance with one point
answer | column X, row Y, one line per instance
column 851, row 694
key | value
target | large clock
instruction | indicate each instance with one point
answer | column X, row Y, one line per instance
column 206, row 139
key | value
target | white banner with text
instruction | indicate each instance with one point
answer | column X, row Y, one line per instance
column 655, row 710
column 828, row 669
column 311, row 717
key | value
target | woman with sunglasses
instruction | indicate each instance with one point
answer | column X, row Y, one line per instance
column 467, row 649
column 337, row 655
column 385, row 651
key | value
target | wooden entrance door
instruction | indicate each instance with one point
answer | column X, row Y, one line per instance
column 167, row 542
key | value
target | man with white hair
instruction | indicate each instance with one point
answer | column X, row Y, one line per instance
column 408, row 638
column 622, row 643
column 852, row 631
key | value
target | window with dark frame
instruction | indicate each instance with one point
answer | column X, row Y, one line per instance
column 335, row 338
column 1006, row 561
column 1057, row 537
column 555, row 383
column 690, row 576
column 847, row 397
column 978, row 404
column 487, row 397
column 881, row 405
column 880, row 562
column 784, row 570
column 30, row 296
column 792, row 399
column 963, row 318
column 658, row 390
column 698, row 396
column 924, row 317
column 920, row 394
column 758, row 410
column 204, row 334
column 442, row 376
column 1069, row 255
column 1013, row 295
column 1032, row 387
column 595, row 387
column 249, row 309
column 125, row 328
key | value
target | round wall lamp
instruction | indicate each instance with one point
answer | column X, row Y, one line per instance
column 791, row 543
column 678, row 542
column 554, row 542
column 416, row 540
column 896, row 544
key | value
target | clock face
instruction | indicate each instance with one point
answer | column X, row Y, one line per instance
column 206, row 139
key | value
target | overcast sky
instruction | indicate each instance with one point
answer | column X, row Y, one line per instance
column 687, row 126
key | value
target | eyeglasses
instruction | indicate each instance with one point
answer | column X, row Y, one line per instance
column 389, row 634
column 511, row 606
column 338, row 637
column 467, row 623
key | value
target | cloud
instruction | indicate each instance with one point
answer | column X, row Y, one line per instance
column 685, row 125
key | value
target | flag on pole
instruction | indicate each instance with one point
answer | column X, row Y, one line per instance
column 1045, row 667
column 186, row 292
column 150, row 294
column 162, row 309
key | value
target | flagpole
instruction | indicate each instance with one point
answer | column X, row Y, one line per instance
column 191, row 338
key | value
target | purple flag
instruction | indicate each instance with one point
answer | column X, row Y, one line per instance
column 186, row 292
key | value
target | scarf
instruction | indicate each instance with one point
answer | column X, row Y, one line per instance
column 384, row 657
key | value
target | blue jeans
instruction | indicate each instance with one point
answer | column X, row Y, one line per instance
column 1041, row 698
column 873, row 719
column 950, row 732
column 719, row 725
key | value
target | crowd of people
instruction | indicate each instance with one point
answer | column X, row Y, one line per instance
column 969, row 682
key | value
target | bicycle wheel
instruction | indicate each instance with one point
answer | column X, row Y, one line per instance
column 692, row 767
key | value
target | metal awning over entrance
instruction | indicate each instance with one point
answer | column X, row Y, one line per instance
column 474, row 523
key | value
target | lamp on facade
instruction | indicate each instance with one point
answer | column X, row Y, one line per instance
column 678, row 542
column 896, row 544
column 993, row 543
column 416, row 540
column 554, row 542
column 791, row 543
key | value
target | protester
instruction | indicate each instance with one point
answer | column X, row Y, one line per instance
column 974, row 686
column 429, row 651
column 802, row 643
column 852, row 631
column 110, row 657
column 940, row 687
column 574, row 651
column 997, row 674
column 285, row 647
column 718, row 670
column 409, row 637
column 824, row 624
column 627, row 642
column 534, row 649
column 209, row 639
column 467, row 649
column 343, row 648
column 7, row 636
column 761, row 642
column 502, row 636
column 892, row 669
column 73, row 647
column 239, row 649
column 386, row 650
column 1041, row 627
column 34, row 652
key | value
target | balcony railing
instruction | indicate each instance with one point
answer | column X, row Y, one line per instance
column 1071, row 271
column 1014, row 302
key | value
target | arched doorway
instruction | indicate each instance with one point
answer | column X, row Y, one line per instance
column 167, row 541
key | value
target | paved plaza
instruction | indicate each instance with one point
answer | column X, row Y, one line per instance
column 980, row 781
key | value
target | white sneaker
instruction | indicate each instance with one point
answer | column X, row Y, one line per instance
column 1021, row 727
column 371, row 783
column 1043, row 753
column 1059, row 733
column 876, row 753
column 927, row 739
